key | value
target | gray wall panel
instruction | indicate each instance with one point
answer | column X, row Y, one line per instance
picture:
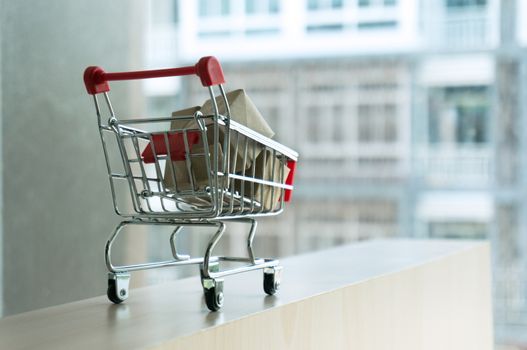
column 57, row 210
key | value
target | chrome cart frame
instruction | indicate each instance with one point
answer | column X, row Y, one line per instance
column 191, row 171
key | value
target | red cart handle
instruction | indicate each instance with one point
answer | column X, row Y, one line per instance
column 208, row 69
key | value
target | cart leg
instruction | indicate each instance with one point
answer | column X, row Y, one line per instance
column 118, row 284
column 212, row 287
column 210, row 246
column 250, row 239
column 173, row 237
column 109, row 243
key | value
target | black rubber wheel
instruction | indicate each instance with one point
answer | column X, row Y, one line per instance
column 214, row 297
column 269, row 284
column 111, row 292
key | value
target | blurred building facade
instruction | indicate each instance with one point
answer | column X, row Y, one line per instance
column 408, row 116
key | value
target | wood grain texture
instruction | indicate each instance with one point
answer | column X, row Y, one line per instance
column 377, row 295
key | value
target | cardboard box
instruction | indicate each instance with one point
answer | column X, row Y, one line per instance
column 262, row 169
column 244, row 112
column 267, row 195
column 198, row 170
column 176, row 145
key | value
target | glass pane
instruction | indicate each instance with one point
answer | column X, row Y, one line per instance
column 459, row 115
column 465, row 3
column 364, row 3
column 250, row 6
column 274, row 6
column 312, row 4
column 225, row 7
column 336, row 3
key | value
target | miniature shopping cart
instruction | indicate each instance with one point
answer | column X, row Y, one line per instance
column 193, row 170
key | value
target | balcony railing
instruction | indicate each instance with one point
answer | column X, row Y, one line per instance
column 460, row 31
column 334, row 161
column 455, row 166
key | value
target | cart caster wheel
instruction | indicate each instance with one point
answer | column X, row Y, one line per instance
column 117, row 291
column 213, row 290
column 271, row 280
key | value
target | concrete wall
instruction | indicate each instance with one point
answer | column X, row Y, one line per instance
column 57, row 209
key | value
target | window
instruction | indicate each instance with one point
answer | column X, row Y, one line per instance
column 313, row 124
column 214, row 34
column 365, row 124
column 262, row 31
column 273, row 6
column 459, row 115
column 264, row 13
column 325, row 28
column 339, row 132
column 262, row 6
column 175, row 11
column 212, row 8
column 465, row 3
column 377, row 25
column 166, row 13
column 368, row 3
column 377, row 123
column 314, row 5
column 456, row 230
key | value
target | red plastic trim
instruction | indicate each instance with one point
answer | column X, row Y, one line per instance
column 147, row 74
column 94, row 80
column 208, row 69
column 291, row 164
column 176, row 144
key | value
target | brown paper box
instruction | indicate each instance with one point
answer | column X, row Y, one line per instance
column 187, row 112
column 263, row 170
column 198, row 167
column 244, row 112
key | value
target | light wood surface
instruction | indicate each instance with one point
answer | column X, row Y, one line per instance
column 391, row 294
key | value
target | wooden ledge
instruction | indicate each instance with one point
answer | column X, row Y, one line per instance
column 387, row 294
